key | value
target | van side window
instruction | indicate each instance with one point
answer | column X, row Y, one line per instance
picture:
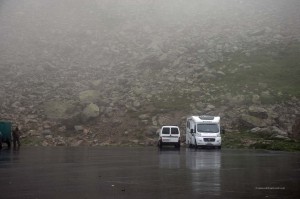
column 166, row 131
column 188, row 124
column 174, row 131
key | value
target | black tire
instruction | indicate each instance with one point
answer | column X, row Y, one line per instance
column 177, row 145
column 219, row 147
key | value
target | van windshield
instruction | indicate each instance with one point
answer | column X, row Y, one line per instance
column 208, row 128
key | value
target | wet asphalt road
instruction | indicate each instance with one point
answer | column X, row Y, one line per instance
column 120, row 172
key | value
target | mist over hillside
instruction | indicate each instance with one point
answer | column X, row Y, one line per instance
column 99, row 72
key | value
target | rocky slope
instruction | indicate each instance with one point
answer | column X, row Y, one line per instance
column 123, row 69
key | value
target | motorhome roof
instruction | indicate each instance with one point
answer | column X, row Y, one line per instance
column 206, row 118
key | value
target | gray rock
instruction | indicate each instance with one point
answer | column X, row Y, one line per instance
column 46, row 132
column 256, row 130
column 76, row 143
column 235, row 100
column 210, row 107
column 33, row 133
column 248, row 121
column 91, row 111
column 256, row 99
column 258, row 112
column 270, row 130
column 279, row 137
column 136, row 104
column 49, row 137
column 145, row 122
column 78, row 128
column 89, row 96
column 266, row 131
column 154, row 121
column 58, row 109
column 277, row 131
column 180, row 79
column 59, row 141
column 221, row 73
column 116, row 122
column 143, row 116
column 62, row 129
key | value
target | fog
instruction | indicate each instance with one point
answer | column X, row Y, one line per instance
column 136, row 62
column 97, row 32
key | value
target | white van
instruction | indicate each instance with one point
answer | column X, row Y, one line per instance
column 203, row 131
column 169, row 135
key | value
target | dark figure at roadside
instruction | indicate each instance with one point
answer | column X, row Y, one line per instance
column 0, row 140
column 16, row 137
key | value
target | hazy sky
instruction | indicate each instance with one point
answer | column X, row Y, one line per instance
column 33, row 31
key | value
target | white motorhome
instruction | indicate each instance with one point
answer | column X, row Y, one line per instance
column 203, row 131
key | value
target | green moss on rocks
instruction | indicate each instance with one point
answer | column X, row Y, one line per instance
column 60, row 109
column 89, row 96
column 90, row 111
column 247, row 140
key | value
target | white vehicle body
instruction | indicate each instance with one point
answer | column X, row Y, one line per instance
column 169, row 135
column 203, row 131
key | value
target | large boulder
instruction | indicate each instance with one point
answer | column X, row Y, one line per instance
column 270, row 130
column 249, row 121
column 258, row 112
column 58, row 109
column 90, row 111
column 89, row 96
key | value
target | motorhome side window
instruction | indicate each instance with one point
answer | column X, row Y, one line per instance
column 174, row 131
column 166, row 131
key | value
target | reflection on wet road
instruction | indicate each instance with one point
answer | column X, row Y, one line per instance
column 110, row 172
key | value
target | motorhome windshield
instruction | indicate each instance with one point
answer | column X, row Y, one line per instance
column 208, row 128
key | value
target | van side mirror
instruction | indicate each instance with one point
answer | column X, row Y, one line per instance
column 192, row 131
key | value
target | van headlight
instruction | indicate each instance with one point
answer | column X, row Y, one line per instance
column 218, row 135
